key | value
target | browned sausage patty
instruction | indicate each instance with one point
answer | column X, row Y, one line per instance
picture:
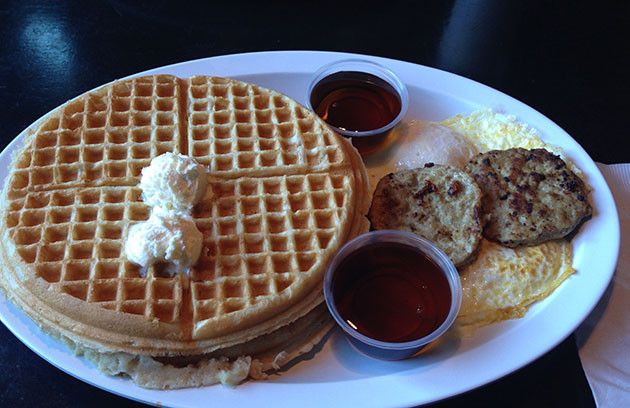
column 529, row 196
column 440, row 203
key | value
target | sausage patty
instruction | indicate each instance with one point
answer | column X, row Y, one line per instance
column 438, row 202
column 529, row 196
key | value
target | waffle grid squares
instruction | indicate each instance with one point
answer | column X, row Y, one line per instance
column 259, row 240
column 111, row 133
column 74, row 237
column 248, row 128
column 262, row 234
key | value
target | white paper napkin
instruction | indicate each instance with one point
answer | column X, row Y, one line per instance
column 603, row 339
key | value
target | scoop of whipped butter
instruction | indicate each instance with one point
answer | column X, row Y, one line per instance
column 173, row 182
column 171, row 185
column 172, row 239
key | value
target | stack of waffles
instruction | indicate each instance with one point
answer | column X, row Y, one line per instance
column 285, row 193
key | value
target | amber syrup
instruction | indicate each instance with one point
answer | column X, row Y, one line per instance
column 356, row 102
column 391, row 293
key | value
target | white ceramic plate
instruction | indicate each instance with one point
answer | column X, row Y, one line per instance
column 337, row 374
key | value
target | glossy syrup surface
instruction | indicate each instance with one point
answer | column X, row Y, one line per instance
column 391, row 293
column 355, row 101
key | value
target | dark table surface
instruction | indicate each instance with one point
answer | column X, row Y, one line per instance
column 568, row 61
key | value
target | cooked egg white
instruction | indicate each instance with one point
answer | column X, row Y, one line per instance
column 417, row 143
column 434, row 143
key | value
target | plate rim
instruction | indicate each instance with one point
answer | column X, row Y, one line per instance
column 303, row 63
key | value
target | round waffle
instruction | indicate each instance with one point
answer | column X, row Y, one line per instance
column 285, row 192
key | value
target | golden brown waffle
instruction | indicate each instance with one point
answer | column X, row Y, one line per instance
column 251, row 131
column 285, row 193
column 265, row 237
column 104, row 137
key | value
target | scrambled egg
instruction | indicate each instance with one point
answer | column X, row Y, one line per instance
column 502, row 283
column 489, row 130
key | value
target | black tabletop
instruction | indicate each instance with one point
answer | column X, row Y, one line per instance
column 568, row 61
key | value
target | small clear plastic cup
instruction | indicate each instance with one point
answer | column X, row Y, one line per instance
column 385, row 350
column 353, row 69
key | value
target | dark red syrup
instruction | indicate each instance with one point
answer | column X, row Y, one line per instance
column 391, row 293
column 356, row 102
